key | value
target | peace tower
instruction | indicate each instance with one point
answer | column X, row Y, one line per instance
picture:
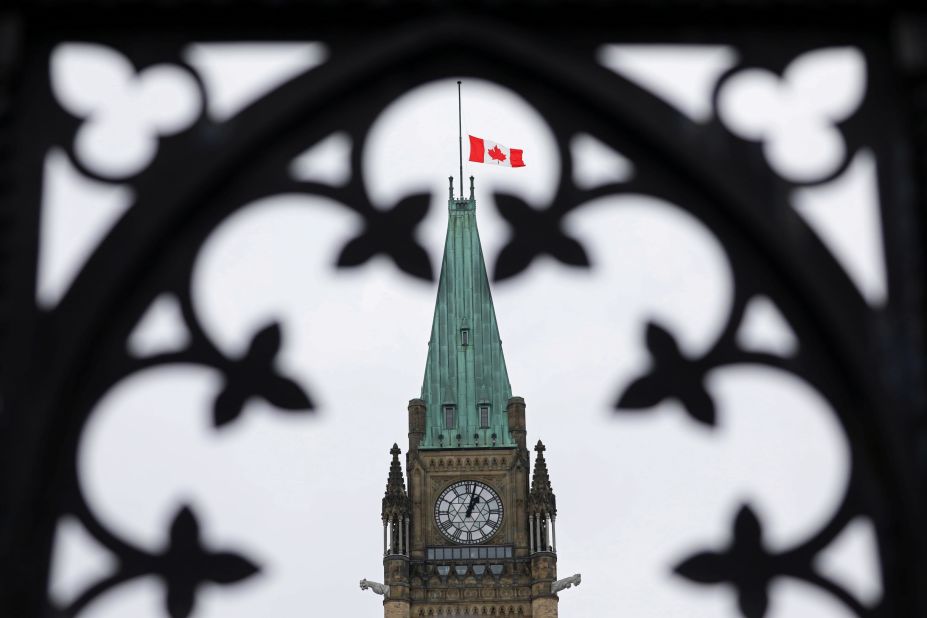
column 469, row 536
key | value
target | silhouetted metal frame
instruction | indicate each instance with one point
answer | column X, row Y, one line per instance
column 869, row 364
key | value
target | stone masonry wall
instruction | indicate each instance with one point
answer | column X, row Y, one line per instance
column 395, row 609
column 544, row 608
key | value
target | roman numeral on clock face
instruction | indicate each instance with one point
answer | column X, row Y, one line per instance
column 468, row 512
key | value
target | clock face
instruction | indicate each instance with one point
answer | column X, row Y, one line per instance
column 468, row 512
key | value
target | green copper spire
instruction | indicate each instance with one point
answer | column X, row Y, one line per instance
column 466, row 385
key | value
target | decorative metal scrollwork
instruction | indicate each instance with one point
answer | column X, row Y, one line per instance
column 772, row 165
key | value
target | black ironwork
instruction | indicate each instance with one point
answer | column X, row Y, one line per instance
column 868, row 362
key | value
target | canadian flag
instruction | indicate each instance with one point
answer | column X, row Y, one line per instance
column 485, row 151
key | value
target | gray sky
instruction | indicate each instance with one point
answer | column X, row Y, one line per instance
column 301, row 494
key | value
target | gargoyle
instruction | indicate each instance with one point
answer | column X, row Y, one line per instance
column 376, row 587
column 563, row 584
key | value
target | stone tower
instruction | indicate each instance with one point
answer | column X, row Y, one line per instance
column 470, row 536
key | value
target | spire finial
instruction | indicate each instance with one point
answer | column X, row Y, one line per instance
column 460, row 137
column 450, row 188
column 471, row 188
column 541, row 498
column 396, row 501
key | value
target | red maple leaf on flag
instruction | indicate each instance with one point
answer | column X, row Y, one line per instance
column 497, row 154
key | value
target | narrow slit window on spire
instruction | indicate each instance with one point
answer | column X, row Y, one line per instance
column 450, row 416
column 464, row 336
column 484, row 416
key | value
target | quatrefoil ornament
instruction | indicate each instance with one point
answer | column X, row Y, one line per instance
column 124, row 112
column 796, row 116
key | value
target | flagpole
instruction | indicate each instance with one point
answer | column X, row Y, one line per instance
column 460, row 137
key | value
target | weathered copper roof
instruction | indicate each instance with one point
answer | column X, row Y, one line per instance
column 465, row 370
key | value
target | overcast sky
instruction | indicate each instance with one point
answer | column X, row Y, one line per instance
column 301, row 494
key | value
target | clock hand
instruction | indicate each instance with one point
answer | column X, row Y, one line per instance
column 473, row 502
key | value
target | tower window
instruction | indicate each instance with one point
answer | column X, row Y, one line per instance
column 484, row 416
column 464, row 336
column 450, row 417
